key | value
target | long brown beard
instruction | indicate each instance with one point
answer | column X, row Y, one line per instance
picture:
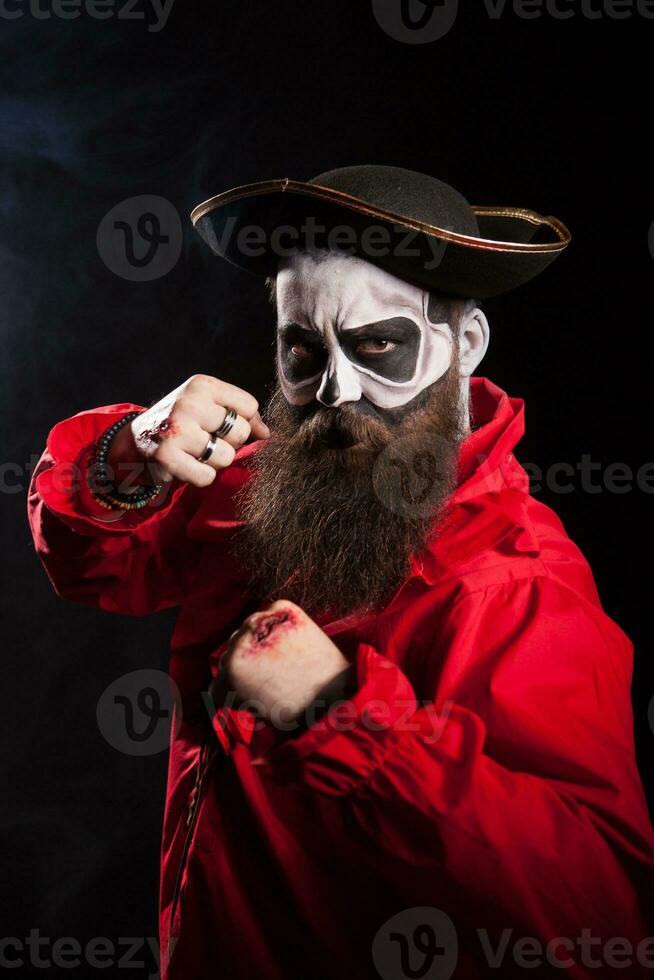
column 333, row 528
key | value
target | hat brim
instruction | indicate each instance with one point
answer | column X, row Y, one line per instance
column 256, row 225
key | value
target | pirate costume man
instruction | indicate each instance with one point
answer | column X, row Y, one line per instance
column 476, row 783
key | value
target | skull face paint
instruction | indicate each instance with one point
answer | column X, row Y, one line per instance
column 348, row 329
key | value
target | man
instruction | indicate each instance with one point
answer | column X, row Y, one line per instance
column 415, row 754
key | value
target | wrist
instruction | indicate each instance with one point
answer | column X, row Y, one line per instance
column 340, row 688
column 126, row 465
column 84, row 490
column 103, row 484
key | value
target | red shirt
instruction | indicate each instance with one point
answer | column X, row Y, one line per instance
column 484, row 769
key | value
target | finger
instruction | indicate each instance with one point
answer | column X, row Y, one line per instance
column 195, row 440
column 186, row 467
column 210, row 419
column 224, row 393
column 259, row 427
column 196, row 411
column 256, row 423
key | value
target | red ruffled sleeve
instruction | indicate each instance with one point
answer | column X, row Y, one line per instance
column 132, row 563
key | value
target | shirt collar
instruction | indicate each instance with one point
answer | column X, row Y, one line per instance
column 498, row 425
column 486, row 463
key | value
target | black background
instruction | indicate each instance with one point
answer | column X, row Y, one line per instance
column 545, row 113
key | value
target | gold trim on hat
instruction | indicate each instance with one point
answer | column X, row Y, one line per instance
column 286, row 185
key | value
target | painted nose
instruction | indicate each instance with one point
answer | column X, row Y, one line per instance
column 340, row 382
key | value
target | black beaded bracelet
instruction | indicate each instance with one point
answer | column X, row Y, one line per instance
column 107, row 494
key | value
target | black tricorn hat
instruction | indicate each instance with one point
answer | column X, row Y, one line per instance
column 413, row 226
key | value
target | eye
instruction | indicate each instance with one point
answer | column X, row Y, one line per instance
column 301, row 350
column 375, row 345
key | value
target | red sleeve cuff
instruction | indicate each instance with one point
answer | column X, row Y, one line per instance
column 349, row 742
column 60, row 476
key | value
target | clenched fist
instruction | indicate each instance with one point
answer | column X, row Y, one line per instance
column 281, row 661
column 165, row 441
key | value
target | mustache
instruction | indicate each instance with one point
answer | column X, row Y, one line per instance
column 328, row 428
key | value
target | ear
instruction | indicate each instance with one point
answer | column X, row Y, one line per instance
column 474, row 334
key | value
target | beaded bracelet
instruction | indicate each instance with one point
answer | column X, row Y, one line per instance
column 108, row 496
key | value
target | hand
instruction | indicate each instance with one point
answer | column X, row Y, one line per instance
column 281, row 661
column 165, row 441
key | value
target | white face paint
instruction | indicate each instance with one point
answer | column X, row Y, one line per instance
column 347, row 328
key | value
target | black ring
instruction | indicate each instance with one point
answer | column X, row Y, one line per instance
column 211, row 445
column 227, row 425
column 223, row 430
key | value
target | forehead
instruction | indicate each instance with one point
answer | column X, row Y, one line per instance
column 342, row 288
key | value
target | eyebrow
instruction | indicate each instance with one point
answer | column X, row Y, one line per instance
column 292, row 326
column 389, row 327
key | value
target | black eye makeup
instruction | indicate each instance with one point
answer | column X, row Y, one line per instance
column 302, row 352
column 389, row 347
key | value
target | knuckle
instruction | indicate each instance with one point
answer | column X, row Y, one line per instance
column 185, row 403
column 198, row 381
